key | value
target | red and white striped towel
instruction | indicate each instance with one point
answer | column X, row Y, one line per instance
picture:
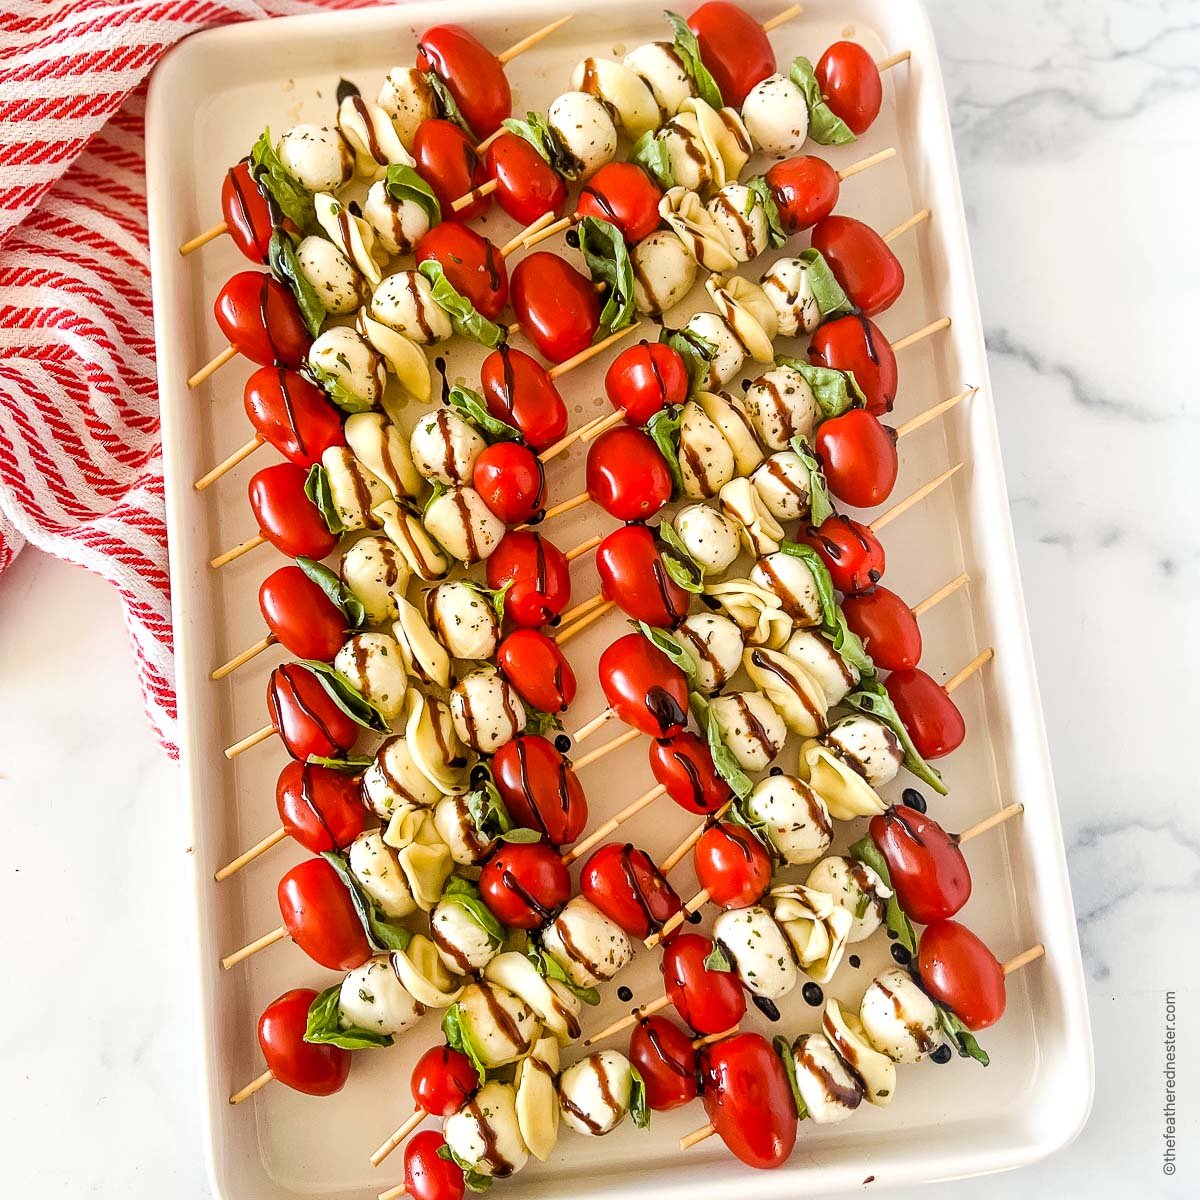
column 80, row 453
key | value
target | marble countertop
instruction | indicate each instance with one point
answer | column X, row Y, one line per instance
column 1072, row 120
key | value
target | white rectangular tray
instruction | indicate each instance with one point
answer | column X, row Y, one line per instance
column 209, row 99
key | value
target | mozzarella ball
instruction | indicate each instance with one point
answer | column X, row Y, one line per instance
column 408, row 99
column 456, row 827
column 444, row 447
column 899, row 1018
column 730, row 355
column 663, row 272
column 775, row 114
column 791, row 579
column 383, row 450
column 486, row 709
column 781, row 405
column 463, row 525
column 594, row 1092
column 393, row 779
column 788, row 286
column 337, row 284
column 817, row 655
column 373, row 998
column 705, row 459
column 761, row 534
column 583, row 128
column 713, row 643
column 376, row 869
column 709, row 536
column 740, row 215
column 829, row 1089
column 462, row 943
column 372, row 662
column 856, row 888
column 404, row 302
column 500, row 1025
column 463, row 619
column 781, row 482
column 586, row 944
column 869, row 746
column 316, row 157
column 750, row 727
column 664, row 73
column 343, row 358
column 485, row 1134
column 398, row 224
column 376, row 572
column 793, row 817
column 758, row 949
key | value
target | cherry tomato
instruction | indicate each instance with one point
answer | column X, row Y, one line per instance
column 527, row 187
column 850, row 83
column 320, row 916
column 308, row 721
column 856, row 345
column 733, row 865
column 734, row 48
column 447, row 161
column 472, row 73
column 626, row 886
column 300, row 616
column 538, row 669
column 643, row 686
column 709, row 1001
column 524, row 884
column 315, row 1069
column 858, row 455
column 320, row 808
column 959, row 971
column 511, row 481
column 259, row 317
column 518, row 390
column 538, row 574
column 930, row 716
column 624, row 195
column 644, row 379
column 292, row 414
column 850, row 550
column 633, row 575
column 427, row 1175
column 285, row 515
column 887, row 627
column 748, row 1099
column 683, row 764
column 443, row 1080
column 928, row 872
column 861, row 261
column 805, row 190
column 666, row 1060
column 471, row 263
column 539, row 788
column 627, row 474
column 557, row 306
column 247, row 212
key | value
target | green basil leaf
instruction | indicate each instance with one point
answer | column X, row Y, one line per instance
column 467, row 320
column 292, row 197
column 488, row 814
column 317, row 489
column 475, row 1180
column 681, row 573
column 287, row 269
column 697, row 354
column 963, row 1038
column 335, row 389
column 687, row 50
column 551, row 968
column 457, row 1038
column 346, row 696
column 828, row 293
column 860, row 908
column 347, row 766
column 335, row 588
column 324, row 1025
column 539, row 722
column 473, row 406
column 717, row 959
column 382, row 934
column 607, row 259
column 651, row 153
column 663, row 429
column 762, row 190
column 669, row 534
column 895, row 918
column 639, row 1110
column 783, row 1048
column 825, row 127
column 669, row 646
column 723, row 758
column 447, row 105
column 537, row 132
column 820, row 506
column 872, row 698
column 466, row 895
column 519, row 834
column 834, row 391
column 494, row 596
column 403, row 183
column 849, row 645
column 737, row 815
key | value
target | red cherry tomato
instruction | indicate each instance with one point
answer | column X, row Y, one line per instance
column 861, row 261
column 557, row 306
column 887, row 627
column 320, row 916
column 259, row 317
column 858, row 454
column 683, row 764
column 627, row 474
column 748, row 1099
column 709, row 1001
column 734, row 47
column 666, row 1060
column 624, row 195
column 928, row 872
column 524, row 883
column 539, row 789
column 320, row 808
column 315, row 1069
column 447, row 161
column 285, row 515
column 443, row 1080
column 805, row 190
column 511, row 481
column 538, row 574
column 733, row 865
column 300, row 616
column 644, row 379
column 247, row 213
column 850, row 83
column 850, row 550
column 855, row 344
column 518, row 390
column 626, row 886
column 959, row 971
column 471, row 263
column 632, row 574
column 643, row 686
column 292, row 414
column 472, row 73
column 538, row 669
column 427, row 1175
column 930, row 716
column 305, row 716
column 527, row 187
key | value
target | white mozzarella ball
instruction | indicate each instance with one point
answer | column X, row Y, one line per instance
column 408, row 99
column 383, row 450
column 793, row 817
column 316, row 157
column 740, row 215
column 730, row 353
column 750, row 727
column 485, row 1133
column 374, row 665
column 791, row 579
column 398, row 224
column 501, row 1026
column 444, row 447
column 353, row 489
column 584, row 128
column 817, row 655
column 830, row 1090
column 487, row 711
column 586, row 944
column 393, row 779
column 663, row 272
column 705, row 458
column 456, row 827
column 869, row 746
column 376, row 572
column 337, row 284
column 781, row 482
column 758, row 949
column 404, row 302
column 775, row 114
column 713, row 643
column 709, row 536
column 376, row 869
column 373, row 998
column 594, row 1092
column 855, row 887
column 788, row 287
column 462, row 943
column 463, row 525
column 463, row 618
column 664, row 74
column 343, row 358
column 899, row 1018
column 781, row 405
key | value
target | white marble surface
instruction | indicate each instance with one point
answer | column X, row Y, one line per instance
column 1074, row 126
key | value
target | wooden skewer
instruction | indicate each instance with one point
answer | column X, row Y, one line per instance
column 562, row 636
column 393, row 1193
column 955, row 681
column 385, row 1148
column 581, row 610
column 700, row 1042
column 864, row 164
column 591, row 351
column 632, row 1019
column 922, row 333
column 583, row 548
column 894, row 60
column 932, row 414
column 1024, row 959
column 211, row 367
column 228, row 464
column 531, row 237
column 566, row 506
column 630, row 810
column 468, row 198
column 699, row 900
column 677, row 855
column 696, row 1137
column 245, row 656
column 902, row 506
column 540, row 223
column 584, row 433
column 590, row 432
column 259, row 735
column 620, row 740
column 911, row 223
column 947, row 589
column 267, row 939
column 272, row 839
column 527, row 43
column 237, row 551
column 202, row 239
column 997, row 818
column 783, row 18
column 597, row 722
column 255, row 1085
